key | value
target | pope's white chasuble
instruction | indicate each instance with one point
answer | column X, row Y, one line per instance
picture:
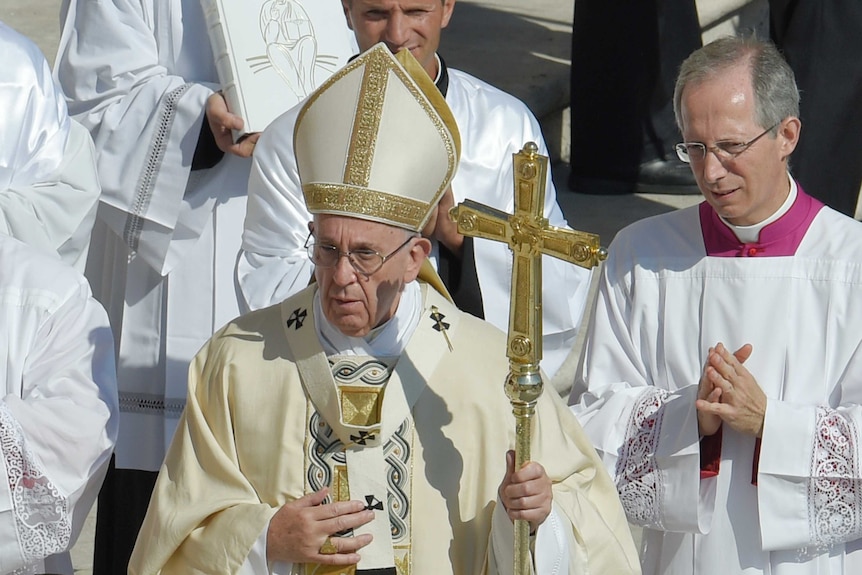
column 360, row 430
column 353, row 458
column 422, row 441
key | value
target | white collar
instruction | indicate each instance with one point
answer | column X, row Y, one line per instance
column 387, row 340
column 439, row 68
column 750, row 234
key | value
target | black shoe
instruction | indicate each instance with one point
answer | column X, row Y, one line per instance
column 654, row 177
column 666, row 177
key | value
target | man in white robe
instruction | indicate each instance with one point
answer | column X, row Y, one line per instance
column 48, row 183
column 722, row 372
column 58, row 412
column 140, row 75
column 361, row 427
column 493, row 126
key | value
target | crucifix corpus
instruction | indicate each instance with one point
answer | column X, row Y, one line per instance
column 529, row 236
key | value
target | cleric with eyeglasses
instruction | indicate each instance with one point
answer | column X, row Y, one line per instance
column 723, row 366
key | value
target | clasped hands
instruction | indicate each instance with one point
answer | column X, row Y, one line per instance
column 729, row 393
column 300, row 528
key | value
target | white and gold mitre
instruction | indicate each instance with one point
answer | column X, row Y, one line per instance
column 377, row 142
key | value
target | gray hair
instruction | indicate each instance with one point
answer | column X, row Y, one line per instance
column 776, row 96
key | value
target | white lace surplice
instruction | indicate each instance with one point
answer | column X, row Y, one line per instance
column 58, row 415
column 802, row 316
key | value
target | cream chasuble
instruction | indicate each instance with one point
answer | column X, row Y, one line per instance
column 252, row 439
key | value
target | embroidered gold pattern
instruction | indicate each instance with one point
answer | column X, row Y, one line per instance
column 402, row 560
column 325, row 460
column 360, row 406
column 340, row 486
column 345, row 198
column 366, row 123
column 322, row 197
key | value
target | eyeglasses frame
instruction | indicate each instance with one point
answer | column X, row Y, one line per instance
column 309, row 244
column 720, row 153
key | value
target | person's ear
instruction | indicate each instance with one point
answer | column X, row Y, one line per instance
column 419, row 251
column 448, row 7
column 788, row 134
column 345, row 5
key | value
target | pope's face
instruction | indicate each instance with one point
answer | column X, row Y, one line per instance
column 411, row 24
column 352, row 302
column 750, row 187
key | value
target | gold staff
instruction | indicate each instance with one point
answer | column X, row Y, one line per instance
column 529, row 236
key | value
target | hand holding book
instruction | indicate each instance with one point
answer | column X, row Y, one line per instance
column 223, row 123
column 270, row 54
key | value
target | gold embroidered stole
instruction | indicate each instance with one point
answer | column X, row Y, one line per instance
column 360, row 429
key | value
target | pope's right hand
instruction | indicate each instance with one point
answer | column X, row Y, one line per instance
column 299, row 529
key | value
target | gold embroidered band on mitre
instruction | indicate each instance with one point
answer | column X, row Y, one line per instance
column 371, row 204
column 377, row 141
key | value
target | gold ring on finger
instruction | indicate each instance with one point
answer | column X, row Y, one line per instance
column 328, row 547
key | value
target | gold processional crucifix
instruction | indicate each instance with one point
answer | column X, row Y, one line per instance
column 529, row 236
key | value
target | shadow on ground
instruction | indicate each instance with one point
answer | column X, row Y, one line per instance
column 606, row 215
column 526, row 57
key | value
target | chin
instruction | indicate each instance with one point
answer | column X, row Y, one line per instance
column 348, row 324
column 351, row 330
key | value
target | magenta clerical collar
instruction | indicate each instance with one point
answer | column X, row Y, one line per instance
column 780, row 238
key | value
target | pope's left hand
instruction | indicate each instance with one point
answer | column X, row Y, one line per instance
column 526, row 494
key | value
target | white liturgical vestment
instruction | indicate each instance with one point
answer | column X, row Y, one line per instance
column 138, row 74
column 49, row 189
column 264, row 426
column 676, row 285
column 58, row 413
column 493, row 126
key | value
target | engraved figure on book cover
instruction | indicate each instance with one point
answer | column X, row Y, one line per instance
column 291, row 46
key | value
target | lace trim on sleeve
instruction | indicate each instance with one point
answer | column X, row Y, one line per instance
column 638, row 481
column 147, row 181
column 40, row 509
column 834, row 494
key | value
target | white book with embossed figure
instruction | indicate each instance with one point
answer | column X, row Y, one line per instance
column 270, row 54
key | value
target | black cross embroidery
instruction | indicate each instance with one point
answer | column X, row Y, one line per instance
column 363, row 438
column 440, row 325
column 438, row 318
column 297, row 317
column 373, row 503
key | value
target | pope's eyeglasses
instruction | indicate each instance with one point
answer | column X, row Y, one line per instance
column 365, row 261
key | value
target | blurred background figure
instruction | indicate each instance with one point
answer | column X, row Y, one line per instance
column 625, row 57
column 58, row 412
column 822, row 41
column 48, row 183
column 142, row 78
